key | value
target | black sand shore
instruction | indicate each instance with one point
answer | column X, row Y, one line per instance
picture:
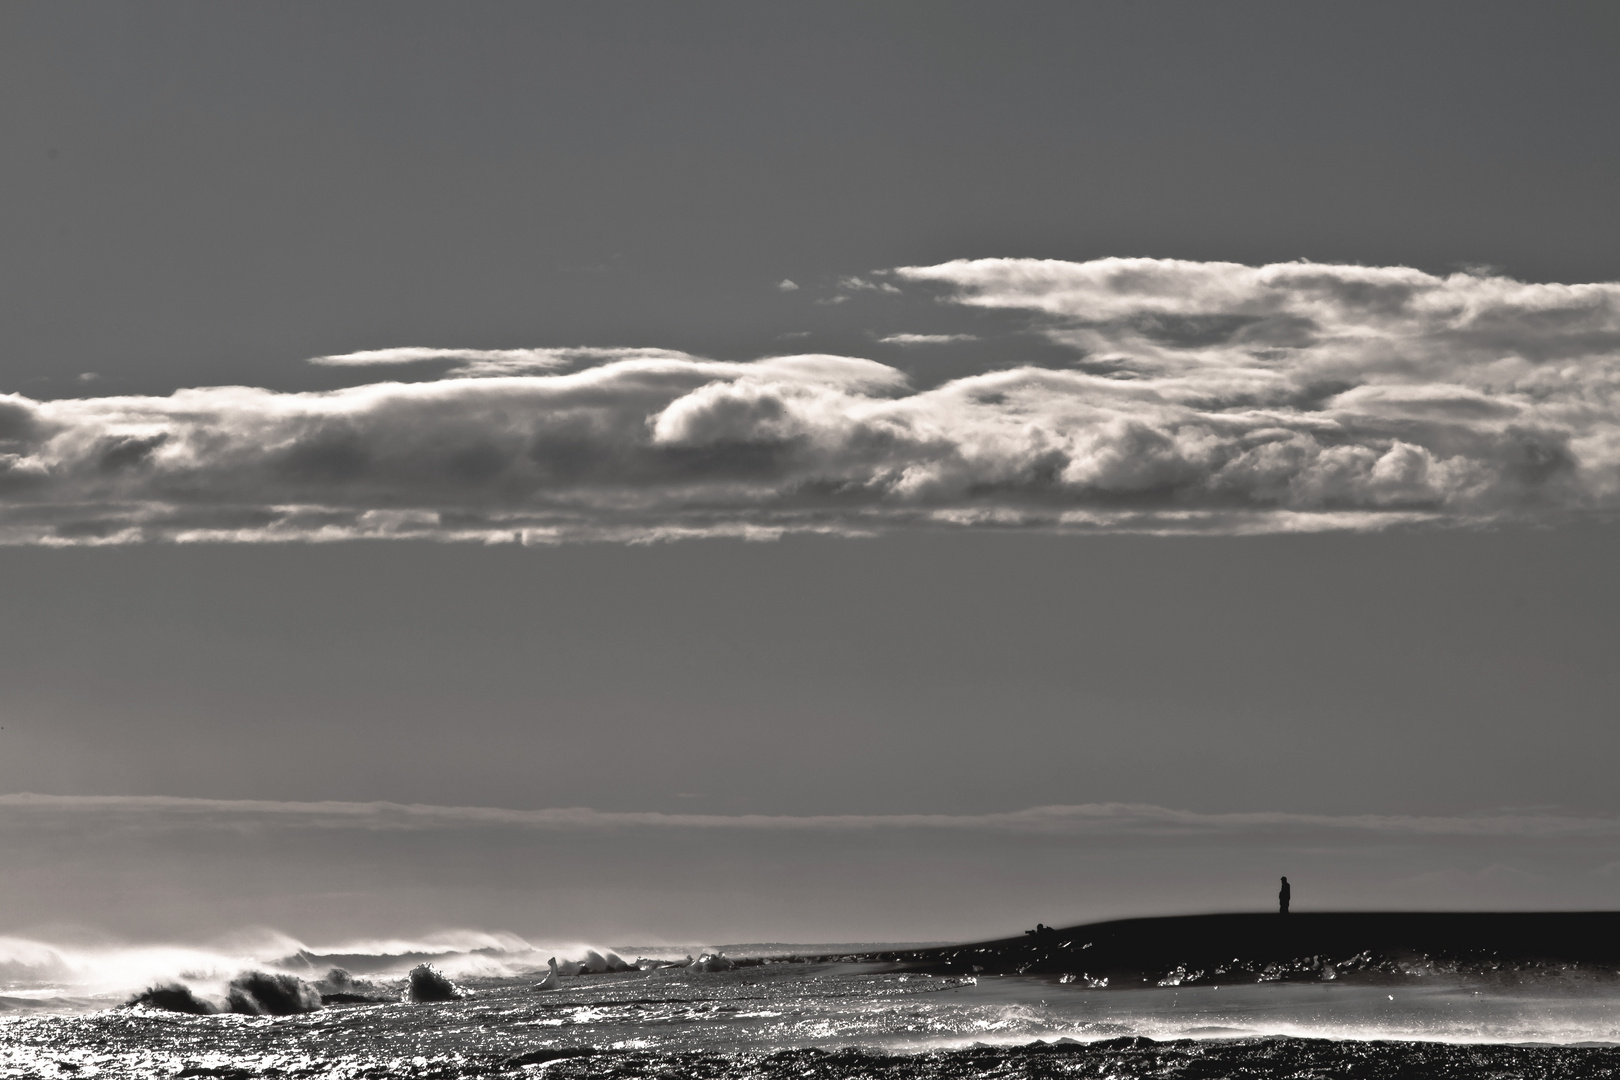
column 1200, row 949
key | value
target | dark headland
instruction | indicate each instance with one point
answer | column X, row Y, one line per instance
column 1203, row 949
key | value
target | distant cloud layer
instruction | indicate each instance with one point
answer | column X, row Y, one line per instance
column 1199, row 397
column 1087, row 819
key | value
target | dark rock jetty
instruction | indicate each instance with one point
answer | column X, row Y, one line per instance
column 1206, row 949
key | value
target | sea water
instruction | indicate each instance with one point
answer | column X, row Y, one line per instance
column 797, row 1019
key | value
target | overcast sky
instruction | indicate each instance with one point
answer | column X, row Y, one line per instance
column 774, row 412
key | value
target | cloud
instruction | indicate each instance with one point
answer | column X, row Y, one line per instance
column 925, row 339
column 487, row 362
column 1201, row 398
column 855, row 283
column 1088, row 819
column 787, row 285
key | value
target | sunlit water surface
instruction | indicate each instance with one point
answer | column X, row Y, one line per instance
column 845, row 1019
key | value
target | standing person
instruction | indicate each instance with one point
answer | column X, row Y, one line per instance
column 1282, row 897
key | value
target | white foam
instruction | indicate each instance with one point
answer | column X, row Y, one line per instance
column 34, row 969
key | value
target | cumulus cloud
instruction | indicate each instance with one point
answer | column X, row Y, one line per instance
column 1085, row 819
column 1200, row 397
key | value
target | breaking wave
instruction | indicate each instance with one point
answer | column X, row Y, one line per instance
column 267, row 973
column 427, row 983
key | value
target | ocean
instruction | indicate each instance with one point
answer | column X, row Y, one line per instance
column 756, row 1011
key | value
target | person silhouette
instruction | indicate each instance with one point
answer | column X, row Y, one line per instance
column 1282, row 897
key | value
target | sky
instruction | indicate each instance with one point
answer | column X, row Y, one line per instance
column 736, row 472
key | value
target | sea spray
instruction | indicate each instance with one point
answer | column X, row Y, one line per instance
column 84, row 976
